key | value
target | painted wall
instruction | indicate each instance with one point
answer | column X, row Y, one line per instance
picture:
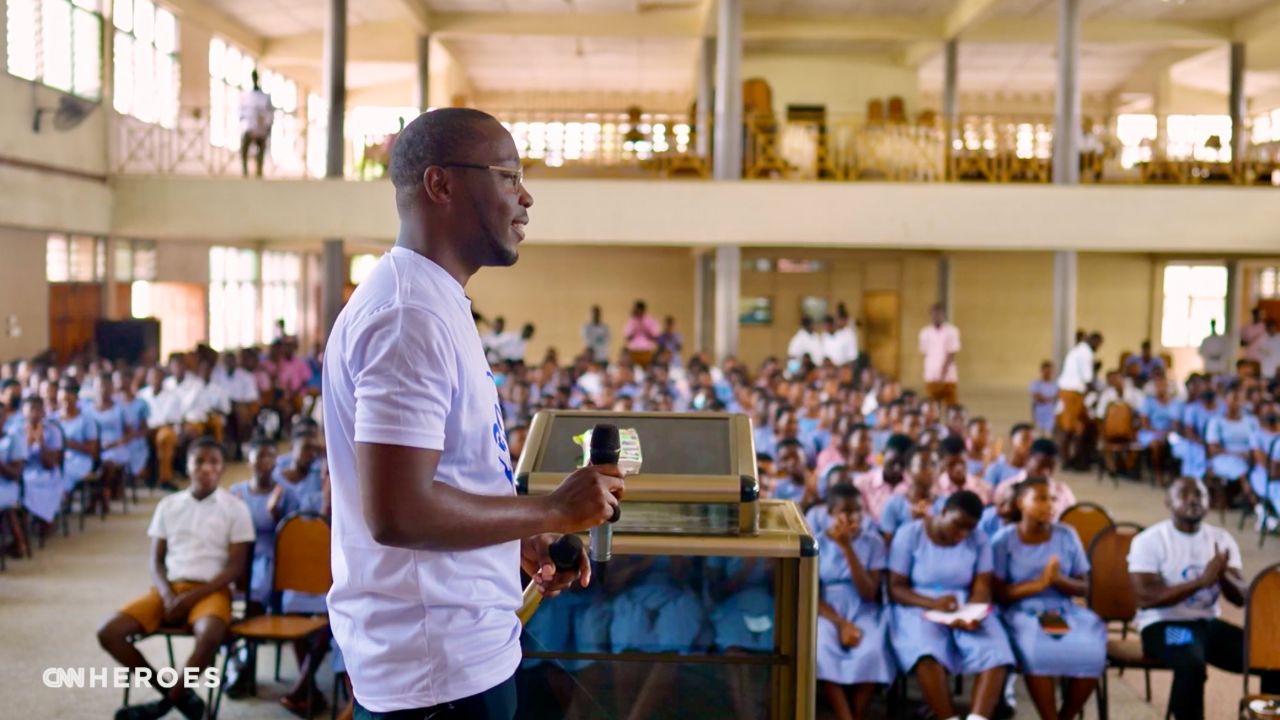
column 843, row 84
column 1003, row 305
column 555, row 287
column 83, row 148
column 1115, row 297
column 24, row 293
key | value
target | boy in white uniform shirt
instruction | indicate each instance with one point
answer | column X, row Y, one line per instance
column 429, row 535
column 201, row 540
column 1180, row 567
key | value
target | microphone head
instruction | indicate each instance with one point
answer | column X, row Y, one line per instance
column 606, row 446
column 566, row 552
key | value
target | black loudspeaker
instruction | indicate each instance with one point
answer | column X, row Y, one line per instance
column 128, row 340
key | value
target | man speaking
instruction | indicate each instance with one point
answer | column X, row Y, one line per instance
column 428, row 532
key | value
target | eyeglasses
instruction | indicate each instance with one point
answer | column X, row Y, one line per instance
column 513, row 176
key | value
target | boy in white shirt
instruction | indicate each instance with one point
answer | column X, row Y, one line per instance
column 1180, row 567
column 201, row 541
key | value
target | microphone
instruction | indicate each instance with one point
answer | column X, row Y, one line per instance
column 566, row 553
column 605, row 449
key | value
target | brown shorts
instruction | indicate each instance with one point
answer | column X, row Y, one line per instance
column 1071, row 419
column 148, row 610
column 942, row 392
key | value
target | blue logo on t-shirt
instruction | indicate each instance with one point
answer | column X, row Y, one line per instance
column 1204, row 598
column 500, row 437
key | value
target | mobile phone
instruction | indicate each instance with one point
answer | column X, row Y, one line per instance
column 1053, row 623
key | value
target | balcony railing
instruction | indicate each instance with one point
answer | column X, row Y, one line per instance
column 840, row 148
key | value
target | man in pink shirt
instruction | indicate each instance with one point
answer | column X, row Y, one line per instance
column 883, row 482
column 939, row 344
column 1044, row 456
column 641, row 334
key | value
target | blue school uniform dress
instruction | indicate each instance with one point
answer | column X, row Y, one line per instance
column 763, row 435
column 135, row 418
column 111, row 426
column 999, row 471
column 10, row 490
column 991, row 522
column 935, row 571
column 42, row 488
column 745, row 619
column 264, row 541
column 1193, row 453
column 576, row 620
column 1161, row 415
column 655, row 613
column 1082, row 651
column 1236, row 439
column 870, row 661
column 819, row 519
column 1042, row 413
column 897, row 512
column 309, row 491
column 77, row 465
column 787, row 490
column 1267, row 443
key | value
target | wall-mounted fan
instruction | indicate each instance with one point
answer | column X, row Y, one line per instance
column 69, row 113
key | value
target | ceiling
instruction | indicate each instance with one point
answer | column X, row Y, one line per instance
column 1029, row 67
column 1137, row 9
column 848, row 7
column 280, row 18
column 565, row 64
column 555, row 6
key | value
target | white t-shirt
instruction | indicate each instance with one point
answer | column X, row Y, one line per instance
column 198, row 534
column 256, row 115
column 1268, row 352
column 404, row 366
column 1077, row 369
column 805, row 343
column 241, row 386
column 1177, row 557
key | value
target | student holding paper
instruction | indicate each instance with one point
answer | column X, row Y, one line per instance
column 1040, row 566
column 938, row 564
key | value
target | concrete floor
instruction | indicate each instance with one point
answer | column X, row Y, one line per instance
column 50, row 607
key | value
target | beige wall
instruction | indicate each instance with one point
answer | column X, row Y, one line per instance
column 1115, row 296
column 1003, row 305
column 83, row 148
column 24, row 293
column 842, row 84
column 555, row 287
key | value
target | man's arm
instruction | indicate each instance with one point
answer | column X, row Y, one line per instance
column 405, row 507
column 159, row 575
column 237, row 560
column 1152, row 592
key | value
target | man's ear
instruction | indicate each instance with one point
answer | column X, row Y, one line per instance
column 436, row 185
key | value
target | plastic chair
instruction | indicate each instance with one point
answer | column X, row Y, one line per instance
column 1261, row 636
column 1088, row 520
column 1111, row 596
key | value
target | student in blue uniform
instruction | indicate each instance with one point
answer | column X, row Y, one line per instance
column 1015, row 460
column 1159, row 416
column 299, row 470
column 1229, row 437
column 1266, row 458
column 1040, row 566
column 1190, row 448
column 43, row 487
column 939, row 563
column 792, row 480
column 853, row 629
column 269, row 502
column 109, row 416
column 1044, row 400
column 918, row 501
column 11, row 462
column 136, row 412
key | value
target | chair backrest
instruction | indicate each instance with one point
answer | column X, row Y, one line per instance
column 1087, row 519
column 1118, row 422
column 302, row 554
column 1111, row 593
column 1262, row 623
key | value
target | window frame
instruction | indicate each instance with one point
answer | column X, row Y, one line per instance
column 39, row 64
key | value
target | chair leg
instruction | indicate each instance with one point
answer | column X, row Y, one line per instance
column 1147, row 680
column 279, row 645
column 1104, row 702
column 168, row 639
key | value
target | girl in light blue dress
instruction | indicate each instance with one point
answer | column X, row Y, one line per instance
column 1266, row 453
column 269, row 502
column 940, row 563
column 1044, row 399
column 1159, row 415
column 853, row 629
column 136, row 413
column 11, row 462
column 918, row 502
column 79, row 435
column 1229, row 438
column 43, row 488
column 1040, row 566
column 1190, row 446
column 113, row 438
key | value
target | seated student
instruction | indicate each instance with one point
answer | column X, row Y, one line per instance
column 12, row 459
column 1229, row 439
column 791, row 479
column 882, row 482
column 1116, row 413
column 1189, row 446
column 1044, row 399
column 1180, row 567
column 1040, row 566
column 853, row 629
column 955, row 475
column 979, row 453
column 1266, row 464
column 940, row 563
column 269, row 502
column 113, row 440
column 785, row 426
column 80, row 437
column 299, row 469
column 1158, row 417
column 10, row 407
column 1015, row 460
column 135, row 420
column 205, row 405
column 200, row 543
column 1042, row 463
column 241, row 388
column 918, row 500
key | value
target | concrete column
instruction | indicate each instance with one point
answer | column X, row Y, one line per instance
column 1162, row 102
column 333, row 270
column 728, row 91
column 1239, row 136
column 109, row 309
column 1066, row 127
column 950, row 85
column 728, row 289
column 335, row 75
column 706, row 85
column 944, row 283
column 1064, row 303
column 1232, row 316
column 424, row 72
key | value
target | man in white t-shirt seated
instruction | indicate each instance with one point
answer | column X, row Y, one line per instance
column 1180, row 568
column 201, row 541
column 429, row 535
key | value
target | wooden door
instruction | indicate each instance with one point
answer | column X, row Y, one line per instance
column 74, row 310
column 881, row 335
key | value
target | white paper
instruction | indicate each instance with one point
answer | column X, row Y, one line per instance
column 969, row 612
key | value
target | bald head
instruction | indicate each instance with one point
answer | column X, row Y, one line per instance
column 447, row 135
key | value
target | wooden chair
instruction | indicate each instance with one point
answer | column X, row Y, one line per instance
column 897, row 110
column 1111, row 596
column 1261, row 637
column 301, row 565
column 1118, row 436
column 1088, row 520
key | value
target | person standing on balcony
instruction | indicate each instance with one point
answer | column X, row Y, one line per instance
column 939, row 344
column 256, row 116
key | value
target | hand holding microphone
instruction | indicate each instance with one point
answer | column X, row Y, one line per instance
column 589, row 497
